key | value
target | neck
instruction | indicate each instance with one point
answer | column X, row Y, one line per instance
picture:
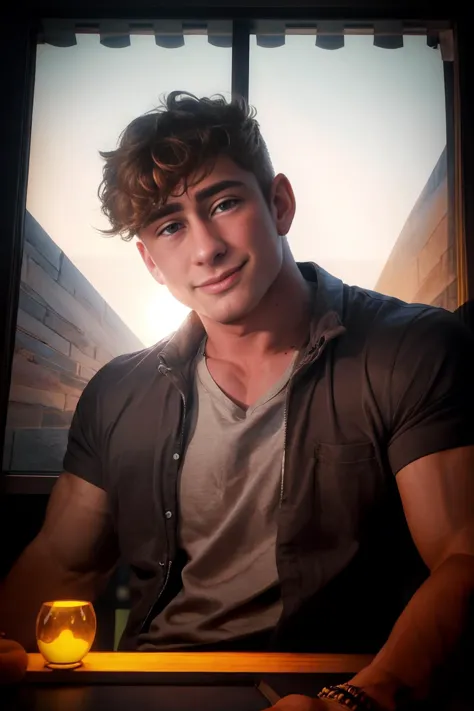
column 280, row 322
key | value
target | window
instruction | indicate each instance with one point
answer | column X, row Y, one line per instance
column 74, row 314
column 356, row 117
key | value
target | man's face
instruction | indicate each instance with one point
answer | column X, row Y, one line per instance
column 218, row 247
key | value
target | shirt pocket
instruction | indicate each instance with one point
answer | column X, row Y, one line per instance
column 347, row 485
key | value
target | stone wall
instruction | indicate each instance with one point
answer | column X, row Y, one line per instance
column 65, row 333
column 422, row 265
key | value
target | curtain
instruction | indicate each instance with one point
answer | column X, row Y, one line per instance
column 329, row 34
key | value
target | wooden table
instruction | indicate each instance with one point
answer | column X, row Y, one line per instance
column 176, row 681
column 118, row 665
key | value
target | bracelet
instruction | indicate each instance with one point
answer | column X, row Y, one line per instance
column 350, row 696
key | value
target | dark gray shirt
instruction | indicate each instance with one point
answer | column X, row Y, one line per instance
column 380, row 384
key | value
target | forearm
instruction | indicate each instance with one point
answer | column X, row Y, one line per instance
column 37, row 577
column 425, row 636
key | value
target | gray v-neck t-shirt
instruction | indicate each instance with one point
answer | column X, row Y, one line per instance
column 229, row 494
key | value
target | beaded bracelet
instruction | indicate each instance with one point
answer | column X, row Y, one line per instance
column 350, row 696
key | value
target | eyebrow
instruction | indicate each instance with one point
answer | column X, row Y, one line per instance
column 171, row 207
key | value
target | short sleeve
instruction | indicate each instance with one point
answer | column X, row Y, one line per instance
column 431, row 388
column 83, row 455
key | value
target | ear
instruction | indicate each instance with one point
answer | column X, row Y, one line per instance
column 282, row 203
column 149, row 262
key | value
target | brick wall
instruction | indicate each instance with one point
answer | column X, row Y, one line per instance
column 65, row 333
column 422, row 265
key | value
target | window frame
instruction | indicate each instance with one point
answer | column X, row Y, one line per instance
column 19, row 50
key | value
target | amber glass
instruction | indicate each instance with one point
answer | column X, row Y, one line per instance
column 65, row 631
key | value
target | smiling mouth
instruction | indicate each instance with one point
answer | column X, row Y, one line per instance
column 222, row 282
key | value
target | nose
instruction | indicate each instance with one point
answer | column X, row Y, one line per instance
column 207, row 244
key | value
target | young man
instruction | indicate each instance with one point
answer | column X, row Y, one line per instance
column 293, row 468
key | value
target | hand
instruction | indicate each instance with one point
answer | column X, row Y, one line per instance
column 13, row 661
column 298, row 702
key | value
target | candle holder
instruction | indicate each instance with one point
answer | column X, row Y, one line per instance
column 65, row 632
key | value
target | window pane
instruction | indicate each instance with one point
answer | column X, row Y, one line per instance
column 361, row 133
column 86, row 298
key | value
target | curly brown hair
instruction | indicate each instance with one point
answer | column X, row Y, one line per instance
column 163, row 148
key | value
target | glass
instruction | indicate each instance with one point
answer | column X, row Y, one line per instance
column 65, row 632
column 361, row 134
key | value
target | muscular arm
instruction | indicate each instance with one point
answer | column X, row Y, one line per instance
column 437, row 493
column 71, row 557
